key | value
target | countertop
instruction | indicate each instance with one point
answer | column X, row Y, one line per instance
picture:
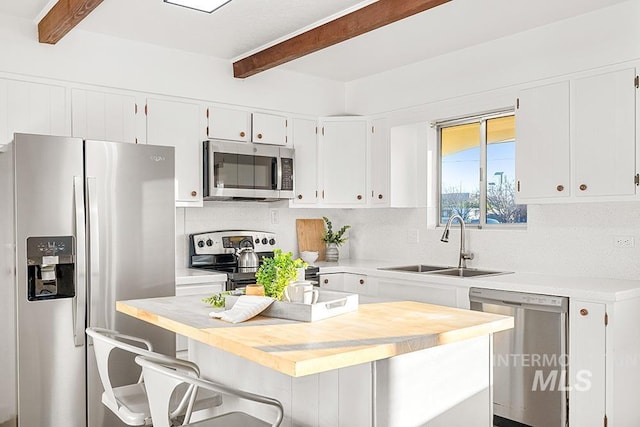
column 376, row 331
column 586, row 288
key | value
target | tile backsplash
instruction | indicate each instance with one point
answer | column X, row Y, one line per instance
column 565, row 240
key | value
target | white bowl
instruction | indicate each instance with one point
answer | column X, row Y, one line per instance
column 309, row 256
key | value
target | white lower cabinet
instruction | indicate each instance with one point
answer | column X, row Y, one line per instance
column 349, row 282
column 604, row 363
column 332, row 281
column 418, row 291
column 587, row 373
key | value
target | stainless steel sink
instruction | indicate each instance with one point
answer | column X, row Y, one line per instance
column 417, row 268
column 469, row 272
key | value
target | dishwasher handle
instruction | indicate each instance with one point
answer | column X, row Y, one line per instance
column 529, row 301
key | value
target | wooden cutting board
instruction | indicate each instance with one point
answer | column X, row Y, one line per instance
column 310, row 232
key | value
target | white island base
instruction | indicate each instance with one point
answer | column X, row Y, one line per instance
column 447, row 385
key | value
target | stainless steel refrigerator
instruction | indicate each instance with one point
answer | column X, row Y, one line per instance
column 85, row 223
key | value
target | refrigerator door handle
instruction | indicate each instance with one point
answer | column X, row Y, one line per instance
column 79, row 309
column 94, row 257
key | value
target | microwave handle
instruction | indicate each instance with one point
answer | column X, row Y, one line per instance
column 279, row 173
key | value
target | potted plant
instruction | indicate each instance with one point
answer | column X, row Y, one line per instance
column 333, row 240
column 276, row 273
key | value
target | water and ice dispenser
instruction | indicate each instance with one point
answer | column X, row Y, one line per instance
column 51, row 266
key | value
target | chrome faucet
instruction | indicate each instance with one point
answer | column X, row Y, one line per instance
column 464, row 255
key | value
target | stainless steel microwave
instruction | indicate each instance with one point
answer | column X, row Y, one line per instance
column 245, row 171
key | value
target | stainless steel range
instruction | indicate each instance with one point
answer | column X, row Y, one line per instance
column 221, row 250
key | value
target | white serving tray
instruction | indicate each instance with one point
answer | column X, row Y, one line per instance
column 330, row 304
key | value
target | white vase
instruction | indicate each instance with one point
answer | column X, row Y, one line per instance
column 332, row 253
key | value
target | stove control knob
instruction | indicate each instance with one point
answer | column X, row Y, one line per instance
column 257, row 241
column 209, row 242
column 200, row 244
column 272, row 241
column 264, row 241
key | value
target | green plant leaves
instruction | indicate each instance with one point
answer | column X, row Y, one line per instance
column 276, row 273
column 330, row 236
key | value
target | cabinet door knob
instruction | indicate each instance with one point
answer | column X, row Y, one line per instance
column 359, row 196
column 299, row 196
column 583, row 187
column 194, row 193
column 362, row 281
column 584, row 312
column 326, row 281
column 242, row 134
column 259, row 136
column 560, row 188
column 380, row 196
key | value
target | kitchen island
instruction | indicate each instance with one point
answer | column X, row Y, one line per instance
column 388, row 364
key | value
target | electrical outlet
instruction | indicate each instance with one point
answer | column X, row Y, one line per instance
column 275, row 216
column 413, row 235
column 624, row 241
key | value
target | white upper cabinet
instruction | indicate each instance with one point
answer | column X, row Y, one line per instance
column 229, row 124
column 379, row 163
column 409, row 165
column 269, row 129
column 604, row 142
column 576, row 140
column 178, row 124
column 343, row 147
column 306, row 161
column 32, row 108
column 542, row 142
column 103, row 116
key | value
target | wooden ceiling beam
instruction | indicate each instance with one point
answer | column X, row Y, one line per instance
column 63, row 17
column 368, row 18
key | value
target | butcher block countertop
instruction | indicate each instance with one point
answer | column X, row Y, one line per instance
column 376, row 331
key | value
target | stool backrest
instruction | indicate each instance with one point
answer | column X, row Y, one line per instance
column 162, row 378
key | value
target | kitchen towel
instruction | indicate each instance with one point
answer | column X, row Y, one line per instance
column 246, row 307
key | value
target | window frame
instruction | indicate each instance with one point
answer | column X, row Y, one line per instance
column 482, row 119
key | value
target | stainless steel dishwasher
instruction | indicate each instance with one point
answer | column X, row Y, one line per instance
column 531, row 360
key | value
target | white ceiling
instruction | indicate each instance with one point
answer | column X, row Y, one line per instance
column 245, row 26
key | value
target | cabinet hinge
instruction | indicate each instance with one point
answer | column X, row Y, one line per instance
column 323, row 194
column 286, row 139
column 145, row 109
column 316, row 130
column 136, row 140
column 286, row 123
column 605, row 421
column 636, row 179
column 517, row 103
column 518, row 185
column 316, row 194
column 207, row 130
column 135, row 109
column 322, row 130
column 207, row 113
column 373, row 129
column 606, row 319
column 637, row 81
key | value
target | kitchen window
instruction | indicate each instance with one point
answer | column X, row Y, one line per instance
column 477, row 170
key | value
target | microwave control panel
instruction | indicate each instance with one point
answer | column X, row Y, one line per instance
column 287, row 174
